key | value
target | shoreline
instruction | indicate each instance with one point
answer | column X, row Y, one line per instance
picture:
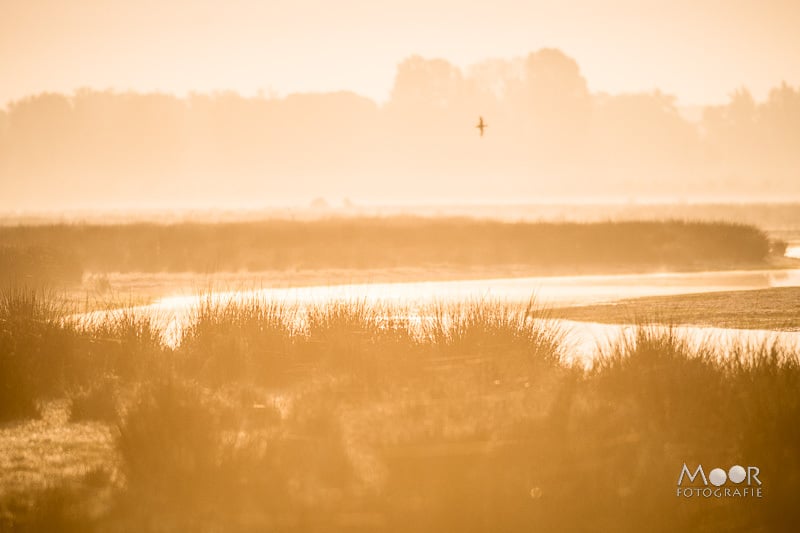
column 776, row 309
column 104, row 290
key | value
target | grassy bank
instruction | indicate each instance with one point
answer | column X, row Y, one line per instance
column 363, row 243
column 348, row 417
column 776, row 308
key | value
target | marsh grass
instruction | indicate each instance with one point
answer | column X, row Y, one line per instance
column 45, row 353
column 239, row 341
column 369, row 342
column 38, row 266
column 766, row 398
column 359, row 417
column 380, row 242
column 504, row 341
column 34, row 349
column 124, row 344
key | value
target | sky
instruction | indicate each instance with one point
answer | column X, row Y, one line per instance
column 698, row 50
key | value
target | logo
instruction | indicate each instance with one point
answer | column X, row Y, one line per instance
column 737, row 482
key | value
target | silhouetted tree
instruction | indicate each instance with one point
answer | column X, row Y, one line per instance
column 547, row 134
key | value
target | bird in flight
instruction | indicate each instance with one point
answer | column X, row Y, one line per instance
column 481, row 125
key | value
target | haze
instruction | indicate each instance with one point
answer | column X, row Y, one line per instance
column 156, row 104
column 697, row 50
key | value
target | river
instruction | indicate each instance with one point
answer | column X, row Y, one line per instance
column 173, row 313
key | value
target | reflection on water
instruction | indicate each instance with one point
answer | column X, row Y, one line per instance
column 549, row 291
column 793, row 251
column 172, row 314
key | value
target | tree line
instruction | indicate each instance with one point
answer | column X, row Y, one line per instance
column 548, row 135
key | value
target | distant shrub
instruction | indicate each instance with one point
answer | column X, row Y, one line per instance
column 778, row 247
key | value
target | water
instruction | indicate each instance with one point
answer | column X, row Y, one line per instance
column 549, row 291
column 173, row 313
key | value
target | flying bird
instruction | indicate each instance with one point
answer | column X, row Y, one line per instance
column 481, row 125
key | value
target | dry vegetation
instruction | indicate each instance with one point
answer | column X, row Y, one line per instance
column 541, row 248
column 777, row 308
column 349, row 417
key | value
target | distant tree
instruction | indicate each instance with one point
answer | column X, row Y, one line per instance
column 756, row 144
column 552, row 102
column 547, row 135
column 780, row 117
column 4, row 140
column 427, row 83
column 495, row 77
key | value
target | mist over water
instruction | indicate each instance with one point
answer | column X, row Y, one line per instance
column 411, row 301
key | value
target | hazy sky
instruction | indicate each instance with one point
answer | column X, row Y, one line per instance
column 699, row 50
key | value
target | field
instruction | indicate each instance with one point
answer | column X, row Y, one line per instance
column 345, row 417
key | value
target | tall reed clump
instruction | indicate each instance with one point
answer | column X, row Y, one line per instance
column 115, row 352
column 445, row 386
column 601, row 449
column 677, row 388
column 45, row 353
column 360, row 340
column 499, row 340
column 765, row 411
column 655, row 400
column 239, row 341
column 125, row 344
column 652, row 401
column 35, row 350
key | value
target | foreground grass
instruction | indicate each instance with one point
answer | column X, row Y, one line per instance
column 353, row 417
